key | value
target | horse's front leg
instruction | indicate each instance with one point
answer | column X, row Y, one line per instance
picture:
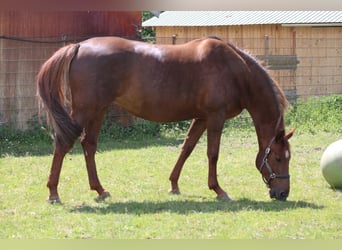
column 89, row 145
column 195, row 131
column 214, row 130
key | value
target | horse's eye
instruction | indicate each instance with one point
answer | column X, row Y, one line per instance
column 278, row 159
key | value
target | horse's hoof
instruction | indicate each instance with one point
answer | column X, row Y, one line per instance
column 54, row 200
column 223, row 197
column 174, row 191
column 103, row 196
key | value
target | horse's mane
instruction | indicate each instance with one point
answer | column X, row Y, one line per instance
column 251, row 60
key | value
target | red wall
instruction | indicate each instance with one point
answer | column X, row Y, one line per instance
column 20, row 60
column 77, row 23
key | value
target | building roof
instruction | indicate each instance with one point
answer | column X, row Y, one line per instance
column 227, row 18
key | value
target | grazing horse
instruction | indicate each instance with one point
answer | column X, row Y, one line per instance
column 206, row 80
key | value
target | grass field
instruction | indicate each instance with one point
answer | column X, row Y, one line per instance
column 135, row 171
column 140, row 206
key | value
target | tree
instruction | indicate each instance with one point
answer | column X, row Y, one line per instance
column 147, row 32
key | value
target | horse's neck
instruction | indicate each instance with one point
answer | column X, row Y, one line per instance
column 262, row 102
column 266, row 128
column 266, row 115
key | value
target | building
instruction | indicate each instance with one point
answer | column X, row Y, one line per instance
column 302, row 49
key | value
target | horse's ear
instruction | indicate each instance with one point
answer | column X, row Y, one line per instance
column 290, row 133
column 280, row 136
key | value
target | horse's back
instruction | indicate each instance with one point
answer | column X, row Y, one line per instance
column 157, row 82
column 195, row 49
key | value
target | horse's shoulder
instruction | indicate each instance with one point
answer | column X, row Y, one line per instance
column 211, row 46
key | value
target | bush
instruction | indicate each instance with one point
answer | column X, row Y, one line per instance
column 18, row 142
column 316, row 113
column 306, row 115
column 112, row 129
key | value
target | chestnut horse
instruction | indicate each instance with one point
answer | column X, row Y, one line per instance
column 206, row 80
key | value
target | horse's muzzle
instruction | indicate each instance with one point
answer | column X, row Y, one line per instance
column 280, row 195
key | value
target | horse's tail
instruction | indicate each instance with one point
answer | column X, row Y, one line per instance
column 54, row 91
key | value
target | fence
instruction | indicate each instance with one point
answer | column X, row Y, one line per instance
column 303, row 67
column 20, row 61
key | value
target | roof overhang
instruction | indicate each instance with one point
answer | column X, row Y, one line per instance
column 312, row 25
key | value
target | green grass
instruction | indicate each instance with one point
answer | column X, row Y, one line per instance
column 141, row 208
column 135, row 170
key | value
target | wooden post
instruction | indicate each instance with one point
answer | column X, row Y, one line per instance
column 174, row 38
column 267, row 46
column 267, row 49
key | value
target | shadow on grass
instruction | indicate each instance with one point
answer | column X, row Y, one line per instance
column 189, row 207
column 18, row 148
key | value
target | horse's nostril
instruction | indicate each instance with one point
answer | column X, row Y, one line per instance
column 282, row 196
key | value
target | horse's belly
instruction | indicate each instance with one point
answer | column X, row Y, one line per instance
column 166, row 111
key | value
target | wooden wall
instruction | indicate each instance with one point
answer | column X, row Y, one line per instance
column 318, row 50
column 20, row 60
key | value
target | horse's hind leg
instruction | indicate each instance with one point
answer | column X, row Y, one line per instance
column 56, row 166
column 195, row 131
column 89, row 145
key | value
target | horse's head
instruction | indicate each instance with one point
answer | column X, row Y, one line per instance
column 273, row 164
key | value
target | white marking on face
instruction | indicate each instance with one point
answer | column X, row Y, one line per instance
column 150, row 50
column 287, row 154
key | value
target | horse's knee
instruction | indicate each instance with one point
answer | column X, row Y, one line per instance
column 213, row 185
column 213, row 158
column 89, row 146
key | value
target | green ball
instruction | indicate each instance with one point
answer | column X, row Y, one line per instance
column 331, row 164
